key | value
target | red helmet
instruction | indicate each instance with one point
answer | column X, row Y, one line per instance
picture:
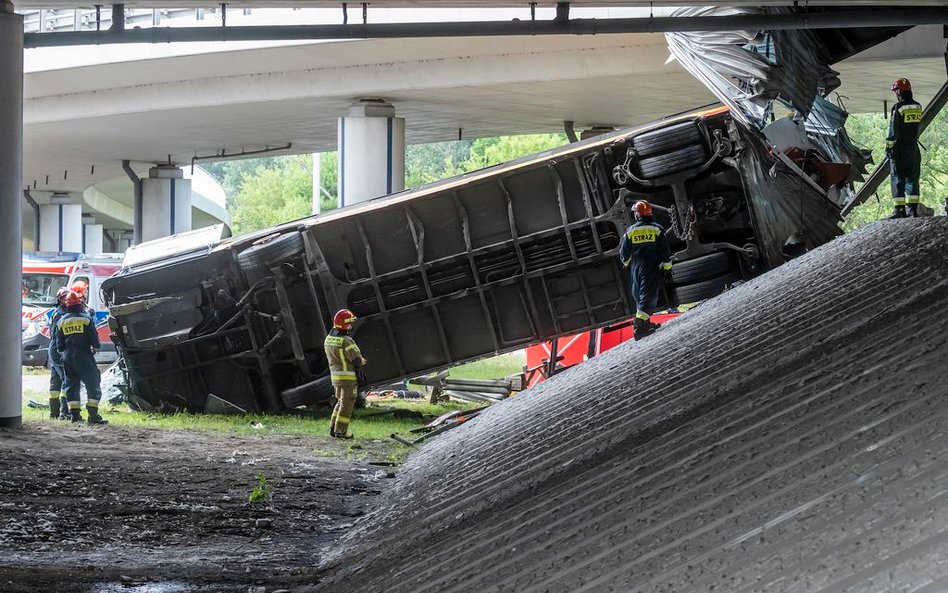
column 641, row 208
column 902, row 85
column 72, row 298
column 343, row 319
column 61, row 295
column 81, row 288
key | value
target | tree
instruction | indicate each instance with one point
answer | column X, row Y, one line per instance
column 230, row 174
column 426, row 163
column 486, row 152
column 265, row 192
column 273, row 195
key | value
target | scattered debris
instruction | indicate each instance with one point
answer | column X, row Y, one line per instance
column 444, row 388
column 385, row 394
column 441, row 424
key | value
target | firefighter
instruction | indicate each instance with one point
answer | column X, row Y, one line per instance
column 905, row 160
column 78, row 341
column 644, row 249
column 345, row 370
column 58, row 406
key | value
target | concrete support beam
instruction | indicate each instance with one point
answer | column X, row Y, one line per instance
column 371, row 152
column 11, row 203
column 166, row 203
column 61, row 227
column 92, row 236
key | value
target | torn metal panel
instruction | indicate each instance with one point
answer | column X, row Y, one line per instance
column 759, row 74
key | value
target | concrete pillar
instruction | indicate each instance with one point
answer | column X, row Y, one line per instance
column 92, row 236
column 11, row 204
column 61, row 227
column 124, row 241
column 166, row 202
column 371, row 152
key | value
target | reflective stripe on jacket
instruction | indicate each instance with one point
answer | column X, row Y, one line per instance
column 341, row 352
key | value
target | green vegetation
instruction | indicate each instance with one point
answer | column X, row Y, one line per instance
column 264, row 192
column 497, row 367
column 262, row 491
column 869, row 130
column 368, row 423
column 372, row 426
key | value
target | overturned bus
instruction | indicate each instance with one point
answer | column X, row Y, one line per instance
column 508, row 256
column 457, row 270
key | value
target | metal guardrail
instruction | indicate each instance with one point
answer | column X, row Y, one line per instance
column 66, row 19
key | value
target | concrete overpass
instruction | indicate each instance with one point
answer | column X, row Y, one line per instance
column 80, row 124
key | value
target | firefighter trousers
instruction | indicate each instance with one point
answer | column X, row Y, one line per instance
column 646, row 280
column 346, row 392
column 79, row 364
column 57, row 375
column 905, row 182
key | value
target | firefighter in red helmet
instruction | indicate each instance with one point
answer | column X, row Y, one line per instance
column 77, row 341
column 905, row 160
column 644, row 250
column 345, row 370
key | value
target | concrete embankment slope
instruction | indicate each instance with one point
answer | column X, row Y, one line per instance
column 788, row 436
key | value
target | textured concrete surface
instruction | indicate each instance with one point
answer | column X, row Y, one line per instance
column 787, row 436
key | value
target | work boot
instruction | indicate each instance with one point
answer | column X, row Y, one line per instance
column 54, row 408
column 911, row 211
column 899, row 212
column 346, row 436
column 641, row 328
column 75, row 415
column 94, row 417
column 63, row 408
column 653, row 326
column 641, row 332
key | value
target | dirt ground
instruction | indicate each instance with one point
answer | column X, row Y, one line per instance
column 103, row 509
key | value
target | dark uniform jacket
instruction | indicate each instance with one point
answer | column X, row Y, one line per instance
column 644, row 248
column 76, row 331
column 57, row 314
column 645, row 245
column 902, row 144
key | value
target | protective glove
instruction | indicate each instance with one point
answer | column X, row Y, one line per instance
column 360, row 374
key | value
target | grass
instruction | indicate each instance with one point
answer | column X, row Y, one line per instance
column 366, row 428
column 497, row 367
column 372, row 430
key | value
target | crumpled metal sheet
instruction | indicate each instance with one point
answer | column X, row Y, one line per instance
column 826, row 127
column 751, row 70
